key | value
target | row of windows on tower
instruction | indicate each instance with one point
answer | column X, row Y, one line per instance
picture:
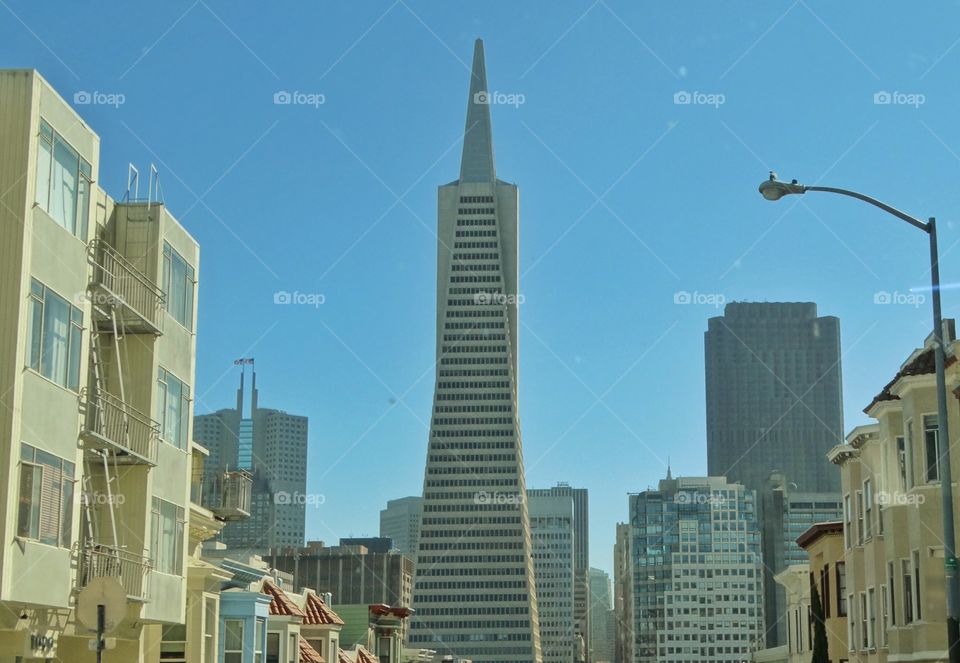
column 475, row 210
column 487, row 278
column 476, row 245
column 473, row 408
column 476, row 199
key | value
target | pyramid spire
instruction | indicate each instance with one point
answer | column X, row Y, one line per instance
column 477, row 164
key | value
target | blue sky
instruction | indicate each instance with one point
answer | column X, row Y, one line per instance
column 627, row 199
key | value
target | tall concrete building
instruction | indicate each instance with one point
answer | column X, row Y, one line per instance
column 401, row 522
column 474, row 594
column 602, row 631
column 272, row 446
column 623, row 594
column 785, row 515
column 97, row 366
column 698, row 574
column 774, row 400
column 581, row 556
column 552, row 529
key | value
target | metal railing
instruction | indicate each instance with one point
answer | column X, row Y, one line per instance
column 124, row 284
column 227, row 494
column 125, row 428
column 103, row 561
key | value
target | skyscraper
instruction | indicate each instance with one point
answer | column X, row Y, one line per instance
column 698, row 580
column 773, row 394
column 552, row 529
column 474, row 593
column 401, row 522
column 272, row 446
column 581, row 555
column 602, row 632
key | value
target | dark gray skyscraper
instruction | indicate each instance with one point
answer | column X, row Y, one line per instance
column 272, row 446
column 773, row 395
column 474, row 591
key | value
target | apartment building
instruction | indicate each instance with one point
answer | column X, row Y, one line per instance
column 827, row 571
column 97, row 354
column 893, row 592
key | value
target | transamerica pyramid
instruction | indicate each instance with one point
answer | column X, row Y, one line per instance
column 474, row 591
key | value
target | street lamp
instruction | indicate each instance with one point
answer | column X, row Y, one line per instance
column 774, row 189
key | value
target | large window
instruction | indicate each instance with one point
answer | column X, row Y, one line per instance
column 860, row 531
column 907, row 591
column 847, row 522
column 931, row 447
column 917, row 603
column 841, row 588
column 891, row 583
column 867, row 509
column 273, row 647
column 55, row 330
column 258, row 642
column 825, row 589
column 46, row 497
column 908, row 455
column 173, row 402
column 210, row 630
column 293, row 651
column 902, row 462
column 864, row 632
column 884, row 614
column 851, row 626
column 871, row 611
column 173, row 644
column 232, row 641
column 168, row 525
column 63, row 182
column 178, row 285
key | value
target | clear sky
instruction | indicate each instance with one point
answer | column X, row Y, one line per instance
column 627, row 199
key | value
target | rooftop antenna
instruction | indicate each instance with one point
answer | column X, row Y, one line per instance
column 669, row 473
column 133, row 180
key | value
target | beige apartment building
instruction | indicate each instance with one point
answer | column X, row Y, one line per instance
column 97, row 355
column 893, row 592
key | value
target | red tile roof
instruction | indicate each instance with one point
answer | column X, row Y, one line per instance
column 280, row 603
column 308, row 654
column 364, row 656
column 318, row 612
column 342, row 656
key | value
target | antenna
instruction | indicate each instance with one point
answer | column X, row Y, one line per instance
column 133, row 179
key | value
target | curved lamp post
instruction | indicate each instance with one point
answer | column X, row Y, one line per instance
column 774, row 189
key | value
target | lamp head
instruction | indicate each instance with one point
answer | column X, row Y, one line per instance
column 774, row 189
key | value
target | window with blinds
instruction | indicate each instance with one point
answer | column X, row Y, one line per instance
column 46, row 497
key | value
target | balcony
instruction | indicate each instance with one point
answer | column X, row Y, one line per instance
column 113, row 425
column 120, row 287
column 227, row 494
column 102, row 561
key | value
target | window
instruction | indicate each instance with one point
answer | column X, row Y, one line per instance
column 173, row 644
column 63, row 182
column 825, row 589
column 273, row 647
column 210, row 631
column 46, row 497
column 258, row 642
column 907, row 591
column 847, row 522
column 871, row 617
column 173, row 400
column 232, row 641
column 908, row 453
column 884, row 615
column 841, row 588
column 851, row 626
column 178, row 285
column 293, row 651
column 867, row 509
column 860, row 532
column 891, row 583
column 931, row 446
column 55, row 330
column 916, row 585
column 168, row 524
column 902, row 462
